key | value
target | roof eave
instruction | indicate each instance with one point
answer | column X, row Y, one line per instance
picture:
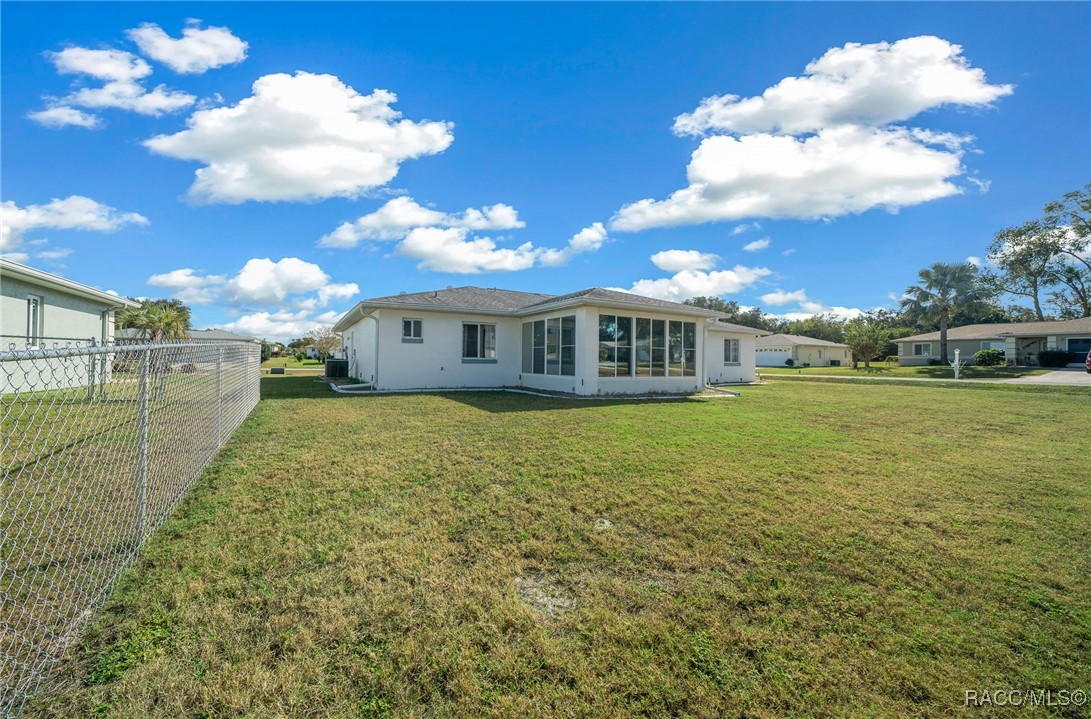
column 45, row 279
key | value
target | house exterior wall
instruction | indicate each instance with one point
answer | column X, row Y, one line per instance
column 813, row 355
column 64, row 317
column 717, row 371
column 377, row 354
column 65, row 320
column 967, row 350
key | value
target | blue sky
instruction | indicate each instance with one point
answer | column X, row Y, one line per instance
column 921, row 131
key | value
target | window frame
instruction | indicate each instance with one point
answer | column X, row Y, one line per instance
column 416, row 330
column 481, row 343
column 649, row 338
column 922, row 345
column 731, row 348
column 35, row 319
column 536, row 358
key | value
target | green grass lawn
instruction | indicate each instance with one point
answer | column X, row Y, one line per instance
column 806, row 549
column 292, row 363
column 882, row 369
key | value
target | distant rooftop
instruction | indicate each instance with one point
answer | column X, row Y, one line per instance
column 782, row 339
column 1000, row 330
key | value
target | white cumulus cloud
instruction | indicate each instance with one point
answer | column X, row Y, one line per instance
column 397, row 217
column 299, row 137
column 121, row 73
column 197, row 51
column 61, row 116
column 261, row 282
column 780, row 297
column 824, row 144
column 678, row 260
column 697, row 283
column 842, row 170
column 280, row 326
column 757, row 245
column 589, row 239
column 869, row 84
column 75, row 212
column 452, row 250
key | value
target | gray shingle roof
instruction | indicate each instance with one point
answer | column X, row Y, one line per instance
column 593, row 294
column 721, row 326
column 510, row 301
column 1001, row 329
column 463, row 298
column 782, row 339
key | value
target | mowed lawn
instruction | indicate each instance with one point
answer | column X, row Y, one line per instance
column 807, row 549
column 882, row 369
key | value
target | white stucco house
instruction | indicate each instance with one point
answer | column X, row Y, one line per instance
column 39, row 310
column 594, row 341
column 775, row 350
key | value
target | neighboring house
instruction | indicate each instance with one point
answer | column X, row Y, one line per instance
column 42, row 311
column 595, row 341
column 1021, row 342
column 776, row 350
column 311, row 352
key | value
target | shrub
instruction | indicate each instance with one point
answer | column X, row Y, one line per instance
column 300, row 356
column 936, row 362
column 989, row 358
column 1053, row 358
column 790, row 362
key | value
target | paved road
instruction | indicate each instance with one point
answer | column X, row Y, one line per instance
column 1072, row 377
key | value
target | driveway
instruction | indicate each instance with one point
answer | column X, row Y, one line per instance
column 1073, row 377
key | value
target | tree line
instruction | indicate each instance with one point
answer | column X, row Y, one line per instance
column 1044, row 263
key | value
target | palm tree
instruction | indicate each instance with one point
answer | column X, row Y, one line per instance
column 156, row 322
column 943, row 289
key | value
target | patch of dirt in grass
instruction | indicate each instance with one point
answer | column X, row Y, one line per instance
column 603, row 524
column 543, row 596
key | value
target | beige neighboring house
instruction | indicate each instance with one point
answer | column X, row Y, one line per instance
column 1021, row 342
column 776, row 350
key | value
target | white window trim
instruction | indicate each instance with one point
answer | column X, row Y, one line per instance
column 36, row 334
column 480, row 344
column 418, row 325
column 727, row 353
column 913, row 349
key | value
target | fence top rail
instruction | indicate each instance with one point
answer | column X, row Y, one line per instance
column 98, row 349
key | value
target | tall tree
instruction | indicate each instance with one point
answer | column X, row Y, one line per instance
column 866, row 340
column 942, row 289
column 1023, row 257
column 325, row 340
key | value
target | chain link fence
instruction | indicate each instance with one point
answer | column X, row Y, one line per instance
column 100, row 443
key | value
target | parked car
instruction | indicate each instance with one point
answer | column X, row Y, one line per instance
column 1087, row 362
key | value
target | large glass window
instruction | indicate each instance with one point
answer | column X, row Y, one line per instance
column 659, row 348
column 568, row 345
column 478, row 341
column 643, row 347
column 553, row 345
column 607, row 345
column 549, row 346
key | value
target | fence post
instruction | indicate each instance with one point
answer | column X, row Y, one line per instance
column 142, row 450
column 219, row 398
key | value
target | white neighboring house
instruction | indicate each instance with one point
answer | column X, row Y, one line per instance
column 776, row 350
column 43, row 311
column 594, row 341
